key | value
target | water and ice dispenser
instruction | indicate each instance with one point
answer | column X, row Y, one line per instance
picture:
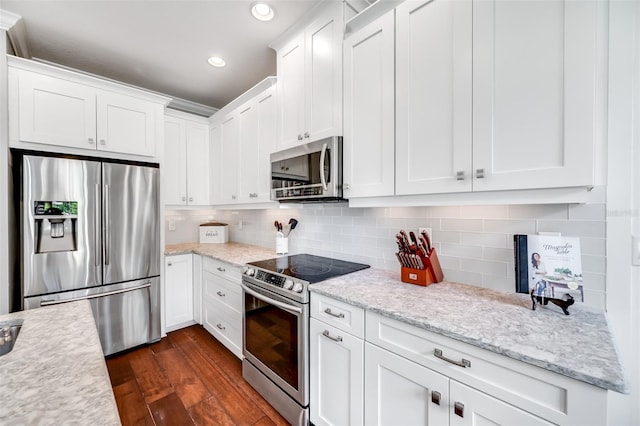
column 55, row 226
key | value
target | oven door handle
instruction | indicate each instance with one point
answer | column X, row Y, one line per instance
column 283, row 306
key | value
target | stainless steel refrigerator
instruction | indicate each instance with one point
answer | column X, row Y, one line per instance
column 90, row 230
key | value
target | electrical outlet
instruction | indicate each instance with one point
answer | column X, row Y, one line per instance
column 172, row 225
column 425, row 229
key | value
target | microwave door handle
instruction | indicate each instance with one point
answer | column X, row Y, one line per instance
column 323, row 178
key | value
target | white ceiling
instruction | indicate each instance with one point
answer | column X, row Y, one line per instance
column 161, row 45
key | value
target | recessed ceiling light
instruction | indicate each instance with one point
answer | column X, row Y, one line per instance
column 262, row 11
column 215, row 61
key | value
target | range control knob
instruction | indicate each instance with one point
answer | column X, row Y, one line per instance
column 298, row 288
column 250, row 272
column 288, row 284
column 245, row 269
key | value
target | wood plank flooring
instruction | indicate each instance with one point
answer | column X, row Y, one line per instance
column 188, row 378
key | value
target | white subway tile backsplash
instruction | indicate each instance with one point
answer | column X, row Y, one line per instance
column 474, row 243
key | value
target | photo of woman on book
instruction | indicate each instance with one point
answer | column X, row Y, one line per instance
column 539, row 271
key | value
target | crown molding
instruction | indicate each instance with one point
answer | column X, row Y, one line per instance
column 16, row 33
column 8, row 19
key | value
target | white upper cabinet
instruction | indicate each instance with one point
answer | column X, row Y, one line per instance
column 433, row 96
column 244, row 142
column 310, row 80
column 534, row 93
column 489, row 95
column 368, row 150
column 56, row 107
column 186, row 162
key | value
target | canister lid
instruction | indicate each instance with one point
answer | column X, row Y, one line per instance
column 214, row 224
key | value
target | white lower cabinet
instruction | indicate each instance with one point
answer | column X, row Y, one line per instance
column 370, row 369
column 178, row 284
column 336, row 357
column 222, row 303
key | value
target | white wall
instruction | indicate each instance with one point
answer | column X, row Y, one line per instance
column 474, row 243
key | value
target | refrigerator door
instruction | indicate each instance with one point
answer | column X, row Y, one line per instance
column 131, row 229
column 60, row 225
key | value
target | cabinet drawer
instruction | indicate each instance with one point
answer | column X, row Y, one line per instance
column 546, row 394
column 224, row 324
column 222, row 269
column 222, row 290
column 341, row 315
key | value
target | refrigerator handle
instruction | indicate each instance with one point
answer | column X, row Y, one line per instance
column 96, row 225
column 107, row 224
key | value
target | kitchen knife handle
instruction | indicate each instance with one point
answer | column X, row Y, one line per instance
column 107, row 224
column 323, row 178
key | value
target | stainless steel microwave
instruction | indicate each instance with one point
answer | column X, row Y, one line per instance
column 309, row 172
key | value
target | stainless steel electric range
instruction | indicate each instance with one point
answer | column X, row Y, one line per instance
column 276, row 327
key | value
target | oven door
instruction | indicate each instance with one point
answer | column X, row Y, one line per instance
column 275, row 339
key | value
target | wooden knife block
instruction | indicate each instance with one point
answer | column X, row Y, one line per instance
column 430, row 275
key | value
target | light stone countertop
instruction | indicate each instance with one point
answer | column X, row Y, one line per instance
column 56, row 373
column 234, row 253
column 579, row 345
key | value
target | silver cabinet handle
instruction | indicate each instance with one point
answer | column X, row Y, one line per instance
column 233, row 197
column 458, row 409
column 221, row 294
column 335, row 339
column 221, row 327
column 329, row 312
column 460, row 175
column 299, row 137
column 479, row 173
column 184, row 198
column 465, row 363
column 169, row 264
column 103, row 142
column 436, row 397
column 190, row 199
column 221, row 269
column 306, row 134
column 345, row 186
column 90, row 140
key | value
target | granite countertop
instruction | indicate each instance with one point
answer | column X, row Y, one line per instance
column 579, row 345
column 234, row 253
column 56, row 373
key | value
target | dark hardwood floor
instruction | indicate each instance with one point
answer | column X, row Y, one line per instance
column 188, row 378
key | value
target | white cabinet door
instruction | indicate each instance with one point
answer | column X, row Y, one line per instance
column 534, row 88
column 337, row 381
column 215, row 172
column 197, row 164
column 248, row 154
column 56, row 112
column 401, row 392
column 323, row 76
column 267, row 111
column 433, row 96
column 470, row 407
column 369, row 147
column 175, row 162
column 178, row 292
column 229, row 159
column 126, row 124
column 291, row 92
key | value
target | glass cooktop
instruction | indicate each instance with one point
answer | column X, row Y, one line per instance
column 308, row 267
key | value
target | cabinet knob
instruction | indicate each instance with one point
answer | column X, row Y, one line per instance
column 460, row 175
column 299, row 137
column 436, row 397
column 90, row 140
column 190, row 199
column 221, row 294
column 221, row 269
column 458, row 409
column 169, row 264
column 479, row 173
column 345, row 186
column 184, row 198
column 233, row 197
column 306, row 134
column 221, row 327
column 103, row 142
